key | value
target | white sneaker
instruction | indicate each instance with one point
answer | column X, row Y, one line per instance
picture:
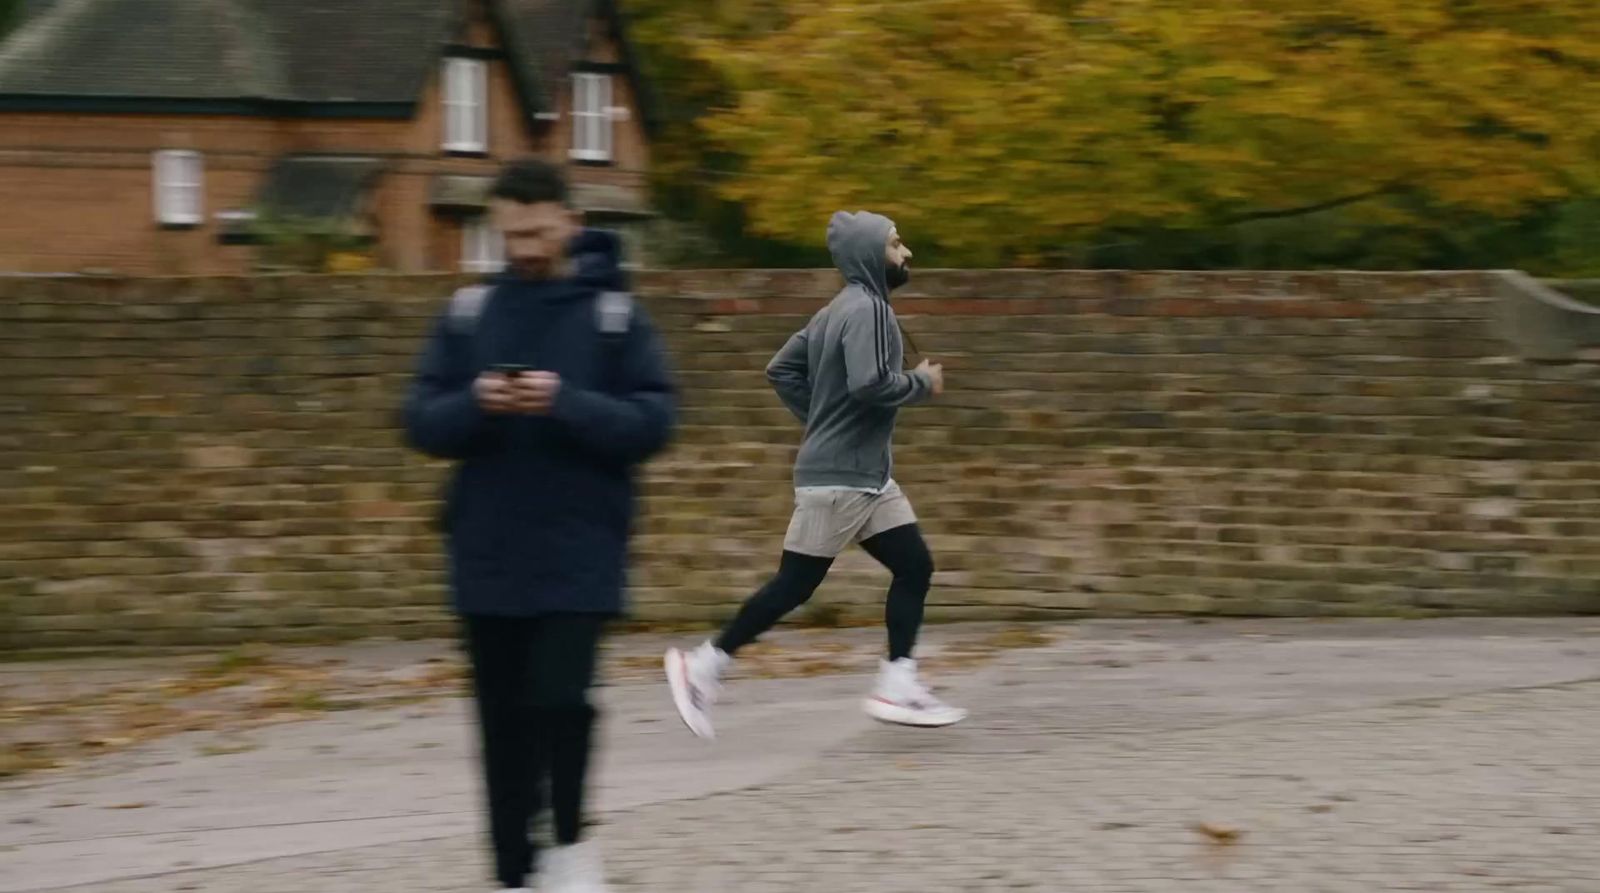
column 900, row 699
column 572, row 869
column 695, row 678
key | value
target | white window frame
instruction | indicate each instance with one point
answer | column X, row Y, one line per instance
column 592, row 116
column 483, row 248
column 177, row 191
column 465, row 92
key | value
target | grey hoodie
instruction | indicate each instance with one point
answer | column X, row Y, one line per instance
column 842, row 374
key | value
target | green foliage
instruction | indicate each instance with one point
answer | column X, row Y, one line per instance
column 306, row 244
column 10, row 15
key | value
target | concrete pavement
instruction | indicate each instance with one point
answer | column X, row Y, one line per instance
column 1249, row 756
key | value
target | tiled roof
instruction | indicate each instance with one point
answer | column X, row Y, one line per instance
column 289, row 50
column 252, row 54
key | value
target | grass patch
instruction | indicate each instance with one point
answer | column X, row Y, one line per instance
column 226, row 748
column 310, row 702
column 237, row 660
column 1020, row 636
column 18, row 760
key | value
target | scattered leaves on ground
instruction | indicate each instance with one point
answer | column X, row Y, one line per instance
column 237, row 690
column 251, row 686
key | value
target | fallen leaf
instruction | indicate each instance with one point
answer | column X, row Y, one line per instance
column 1217, row 834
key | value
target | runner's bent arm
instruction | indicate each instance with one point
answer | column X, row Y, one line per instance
column 790, row 376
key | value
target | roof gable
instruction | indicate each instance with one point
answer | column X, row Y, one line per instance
column 544, row 38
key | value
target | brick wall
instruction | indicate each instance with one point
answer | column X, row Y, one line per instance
column 212, row 460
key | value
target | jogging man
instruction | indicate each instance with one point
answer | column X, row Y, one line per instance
column 549, row 388
column 842, row 377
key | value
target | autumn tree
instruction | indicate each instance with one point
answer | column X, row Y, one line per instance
column 1027, row 131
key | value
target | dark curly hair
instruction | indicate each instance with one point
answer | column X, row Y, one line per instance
column 531, row 182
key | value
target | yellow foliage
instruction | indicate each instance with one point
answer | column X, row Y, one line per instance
column 1000, row 129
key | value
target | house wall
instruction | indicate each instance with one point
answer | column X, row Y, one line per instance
column 417, row 239
column 77, row 190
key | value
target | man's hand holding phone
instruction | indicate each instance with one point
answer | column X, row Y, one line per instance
column 517, row 390
column 494, row 391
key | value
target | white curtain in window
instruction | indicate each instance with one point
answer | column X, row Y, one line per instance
column 483, row 248
column 178, row 190
column 591, row 116
column 466, row 105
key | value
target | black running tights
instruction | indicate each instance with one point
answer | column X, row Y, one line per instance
column 901, row 550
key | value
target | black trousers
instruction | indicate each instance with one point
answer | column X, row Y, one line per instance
column 902, row 550
column 531, row 678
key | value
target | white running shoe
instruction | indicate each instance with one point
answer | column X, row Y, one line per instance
column 696, row 681
column 572, row 869
column 900, row 699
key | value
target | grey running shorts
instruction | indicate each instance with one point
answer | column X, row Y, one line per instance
column 827, row 519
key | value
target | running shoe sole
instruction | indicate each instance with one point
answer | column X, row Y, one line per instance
column 676, row 664
column 894, row 714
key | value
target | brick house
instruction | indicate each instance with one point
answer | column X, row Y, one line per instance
column 188, row 136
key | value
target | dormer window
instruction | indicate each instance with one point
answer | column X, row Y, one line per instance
column 591, row 117
column 466, row 105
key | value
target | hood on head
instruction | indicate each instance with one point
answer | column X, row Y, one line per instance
column 597, row 260
column 596, row 256
column 858, row 243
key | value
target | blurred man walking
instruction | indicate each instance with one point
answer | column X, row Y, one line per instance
column 841, row 376
column 549, row 388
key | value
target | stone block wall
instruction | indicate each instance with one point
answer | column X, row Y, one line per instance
column 213, row 460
